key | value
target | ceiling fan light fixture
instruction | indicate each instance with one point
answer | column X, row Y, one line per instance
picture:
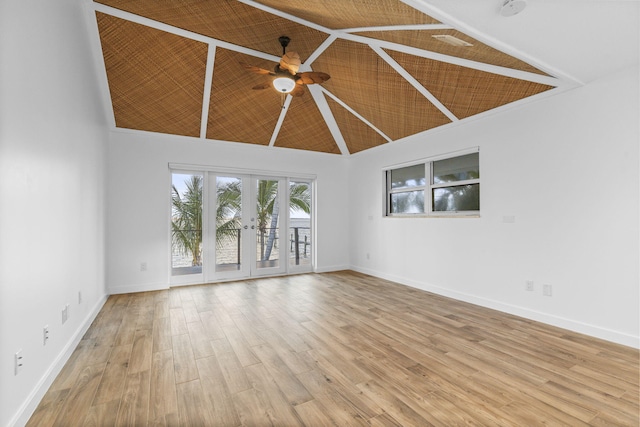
column 284, row 84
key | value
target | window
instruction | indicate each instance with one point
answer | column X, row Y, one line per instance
column 441, row 186
column 406, row 189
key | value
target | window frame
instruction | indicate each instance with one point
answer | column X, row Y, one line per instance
column 428, row 187
column 406, row 189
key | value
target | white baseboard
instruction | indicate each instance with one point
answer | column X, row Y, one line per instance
column 330, row 268
column 550, row 319
column 25, row 411
column 130, row 289
column 147, row 287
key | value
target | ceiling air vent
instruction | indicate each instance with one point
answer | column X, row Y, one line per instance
column 453, row 41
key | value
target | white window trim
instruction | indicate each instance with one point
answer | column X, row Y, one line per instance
column 242, row 171
column 428, row 202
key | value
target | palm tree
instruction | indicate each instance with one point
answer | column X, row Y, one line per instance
column 228, row 212
column 267, row 212
column 299, row 200
column 186, row 221
column 268, row 209
column 300, row 197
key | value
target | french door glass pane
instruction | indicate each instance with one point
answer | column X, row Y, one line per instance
column 299, row 223
column 267, row 220
column 186, row 223
column 228, row 223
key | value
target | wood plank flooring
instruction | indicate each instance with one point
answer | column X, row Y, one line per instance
column 334, row 349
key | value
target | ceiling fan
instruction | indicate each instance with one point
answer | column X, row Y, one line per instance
column 285, row 77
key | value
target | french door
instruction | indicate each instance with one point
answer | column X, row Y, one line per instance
column 239, row 226
column 244, row 234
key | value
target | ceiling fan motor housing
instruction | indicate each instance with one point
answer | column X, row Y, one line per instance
column 284, row 42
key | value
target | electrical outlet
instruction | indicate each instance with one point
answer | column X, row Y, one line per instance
column 45, row 334
column 65, row 313
column 143, row 266
column 528, row 285
column 79, row 297
column 18, row 362
column 546, row 290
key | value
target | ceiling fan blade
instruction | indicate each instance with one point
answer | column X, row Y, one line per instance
column 256, row 70
column 297, row 91
column 290, row 61
column 262, row 86
column 311, row 77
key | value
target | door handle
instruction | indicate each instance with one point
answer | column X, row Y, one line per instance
column 253, row 227
column 245, row 227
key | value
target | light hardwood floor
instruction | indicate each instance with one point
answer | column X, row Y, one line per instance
column 339, row 349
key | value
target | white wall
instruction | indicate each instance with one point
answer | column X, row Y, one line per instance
column 52, row 141
column 567, row 168
column 139, row 191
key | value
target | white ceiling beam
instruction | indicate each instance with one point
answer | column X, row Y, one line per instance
column 316, row 53
column 481, row 66
column 415, row 83
column 283, row 114
column 206, row 96
column 325, row 110
column 399, row 28
column 285, row 15
column 355, row 113
column 180, row 32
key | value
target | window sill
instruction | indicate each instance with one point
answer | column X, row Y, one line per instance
column 438, row 215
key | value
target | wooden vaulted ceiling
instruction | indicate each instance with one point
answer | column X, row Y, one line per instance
column 174, row 67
